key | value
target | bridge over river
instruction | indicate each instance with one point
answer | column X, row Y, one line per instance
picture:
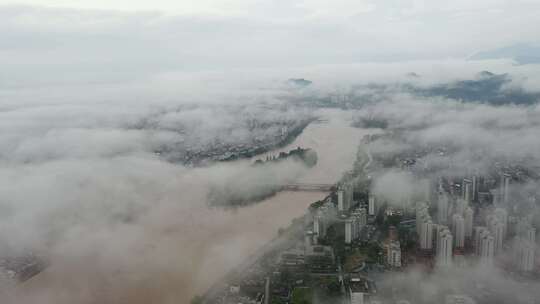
column 308, row 187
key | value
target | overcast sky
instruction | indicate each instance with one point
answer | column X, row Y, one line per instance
column 142, row 36
column 57, row 49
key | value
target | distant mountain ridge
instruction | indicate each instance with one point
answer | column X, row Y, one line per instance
column 301, row 82
column 522, row 53
column 487, row 87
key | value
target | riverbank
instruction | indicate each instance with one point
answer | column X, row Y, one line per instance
column 286, row 237
column 231, row 152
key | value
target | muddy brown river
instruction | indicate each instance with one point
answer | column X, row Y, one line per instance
column 177, row 250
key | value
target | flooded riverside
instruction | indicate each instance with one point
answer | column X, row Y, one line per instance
column 177, row 250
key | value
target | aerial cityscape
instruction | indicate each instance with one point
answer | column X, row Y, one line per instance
column 269, row 152
column 347, row 245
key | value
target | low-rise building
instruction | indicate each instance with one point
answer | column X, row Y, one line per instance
column 320, row 259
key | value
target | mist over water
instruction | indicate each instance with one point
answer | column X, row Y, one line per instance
column 112, row 110
column 176, row 246
column 335, row 142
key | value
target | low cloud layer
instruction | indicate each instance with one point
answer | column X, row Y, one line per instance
column 100, row 102
column 81, row 181
column 440, row 137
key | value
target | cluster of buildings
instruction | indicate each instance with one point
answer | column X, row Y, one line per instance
column 264, row 137
column 524, row 245
column 250, row 288
column 324, row 217
column 343, row 241
column 353, row 215
column 354, row 224
column 356, row 217
column 458, row 230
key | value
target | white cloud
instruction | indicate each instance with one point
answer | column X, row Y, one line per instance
column 169, row 6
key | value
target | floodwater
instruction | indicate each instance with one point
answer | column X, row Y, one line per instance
column 178, row 250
